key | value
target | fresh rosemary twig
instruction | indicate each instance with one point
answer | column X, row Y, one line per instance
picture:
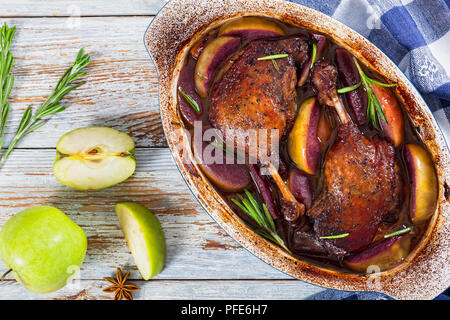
column 6, row 78
column 399, row 232
column 51, row 105
column 253, row 208
column 274, row 56
column 373, row 106
column 338, row 236
column 190, row 101
column 314, row 53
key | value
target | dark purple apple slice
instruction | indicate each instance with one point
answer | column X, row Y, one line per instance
column 215, row 53
column 321, row 47
column 384, row 254
column 228, row 177
column 301, row 187
column 349, row 76
column 264, row 190
column 186, row 84
column 251, row 28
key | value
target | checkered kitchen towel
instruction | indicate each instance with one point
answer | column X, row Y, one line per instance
column 415, row 34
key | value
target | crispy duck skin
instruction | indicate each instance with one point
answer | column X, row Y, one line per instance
column 259, row 94
column 363, row 181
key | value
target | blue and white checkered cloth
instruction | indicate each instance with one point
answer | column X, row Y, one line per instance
column 415, row 34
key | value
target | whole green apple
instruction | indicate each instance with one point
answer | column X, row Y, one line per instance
column 42, row 246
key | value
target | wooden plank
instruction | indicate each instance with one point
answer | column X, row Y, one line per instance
column 197, row 247
column 121, row 88
column 76, row 8
column 175, row 290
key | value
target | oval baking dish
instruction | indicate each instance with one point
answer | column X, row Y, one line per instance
column 425, row 272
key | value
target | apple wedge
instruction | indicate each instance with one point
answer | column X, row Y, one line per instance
column 301, row 187
column 384, row 254
column 250, row 28
column 216, row 52
column 302, row 145
column 424, row 185
column 324, row 131
column 393, row 127
column 230, row 177
column 145, row 237
column 94, row 158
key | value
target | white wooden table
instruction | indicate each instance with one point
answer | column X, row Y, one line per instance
column 121, row 92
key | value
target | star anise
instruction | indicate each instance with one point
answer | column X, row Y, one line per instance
column 119, row 286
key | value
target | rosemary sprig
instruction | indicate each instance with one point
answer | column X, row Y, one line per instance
column 314, row 54
column 51, row 106
column 373, row 106
column 235, row 154
column 6, row 78
column 348, row 89
column 399, row 232
column 274, row 56
column 338, row 236
column 220, row 147
column 190, row 101
column 253, row 208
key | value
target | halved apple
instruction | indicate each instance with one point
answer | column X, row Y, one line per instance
column 383, row 255
column 216, row 52
column 424, row 185
column 250, row 28
column 302, row 145
column 94, row 158
column 145, row 237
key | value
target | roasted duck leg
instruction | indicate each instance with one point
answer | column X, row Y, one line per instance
column 255, row 94
column 363, row 182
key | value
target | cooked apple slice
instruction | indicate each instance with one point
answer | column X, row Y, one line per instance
column 250, row 28
column 384, row 254
column 394, row 127
column 230, row 177
column 302, row 145
column 216, row 52
column 424, row 186
column 321, row 47
column 145, row 237
column 301, row 187
column 324, row 131
column 94, row 158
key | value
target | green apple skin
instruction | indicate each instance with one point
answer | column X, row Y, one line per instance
column 113, row 163
column 145, row 237
column 42, row 246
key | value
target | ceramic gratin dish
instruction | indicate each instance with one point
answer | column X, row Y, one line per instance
column 426, row 271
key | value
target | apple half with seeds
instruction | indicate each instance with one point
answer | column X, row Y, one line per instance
column 94, row 158
column 145, row 237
